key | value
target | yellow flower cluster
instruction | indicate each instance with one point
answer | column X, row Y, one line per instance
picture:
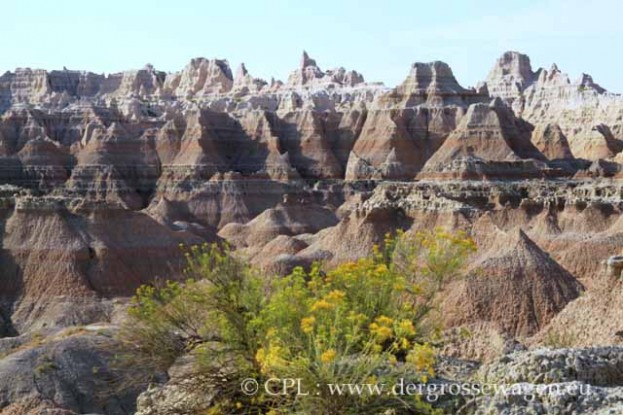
column 335, row 296
column 381, row 333
column 271, row 357
column 328, row 356
column 349, row 272
column 422, row 356
column 329, row 301
column 307, row 324
column 380, row 270
column 384, row 321
column 381, row 328
column 321, row 305
column 406, row 328
column 404, row 343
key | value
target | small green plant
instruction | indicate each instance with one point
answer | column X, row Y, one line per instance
column 559, row 339
column 465, row 333
column 168, row 320
column 45, row 366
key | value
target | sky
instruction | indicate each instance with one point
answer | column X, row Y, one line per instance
column 380, row 39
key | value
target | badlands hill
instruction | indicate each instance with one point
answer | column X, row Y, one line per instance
column 102, row 177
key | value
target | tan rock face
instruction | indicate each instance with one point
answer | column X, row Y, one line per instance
column 24, row 85
column 329, row 123
column 244, row 83
column 289, row 219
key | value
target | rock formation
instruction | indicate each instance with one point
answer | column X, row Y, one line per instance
column 588, row 115
column 67, row 373
column 103, row 176
column 583, row 381
column 516, row 286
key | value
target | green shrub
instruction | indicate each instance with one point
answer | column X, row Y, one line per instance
column 559, row 339
column 46, row 365
column 359, row 323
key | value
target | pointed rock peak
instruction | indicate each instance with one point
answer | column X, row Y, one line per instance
column 223, row 65
column 520, row 236
column 196, row 62
column 241, row 72
column 307, row 72
column 482, row 89
column 520, row 239
column 586, row 82
column 586, row 79
column 149, row 67
column 436, row 67
column 307, row 61
column 554, row 68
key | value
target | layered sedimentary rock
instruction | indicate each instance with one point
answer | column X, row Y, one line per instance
column 354, row 236
column 489, row 134
column 321, row 124
column 287, row 219
column 588, row 115
column 60, row 257
column 406, row 126
column 103, row 176
column 200, row 77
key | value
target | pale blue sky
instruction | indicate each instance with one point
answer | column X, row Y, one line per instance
column 378, row 38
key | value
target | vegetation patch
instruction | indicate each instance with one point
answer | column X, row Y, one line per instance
column 364, row 322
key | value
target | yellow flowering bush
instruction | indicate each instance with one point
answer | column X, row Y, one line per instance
column 357, row 323
column 361, row 320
